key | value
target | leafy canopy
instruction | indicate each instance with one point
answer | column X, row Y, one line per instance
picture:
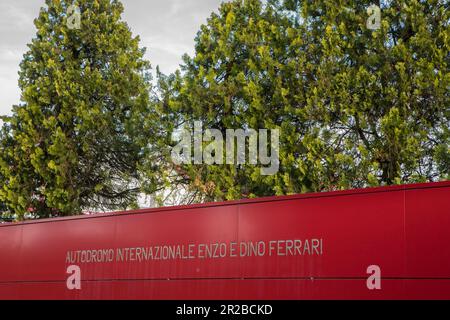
column 355, row 106
column 70, row 144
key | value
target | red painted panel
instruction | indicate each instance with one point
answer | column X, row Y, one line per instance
column 10, row 291
column 357, row 231
column 183, row 228
column 402, row 229
column 45, row 247
column 10, row 264
column 430, row 289
column 213, row 289
column 428, row 233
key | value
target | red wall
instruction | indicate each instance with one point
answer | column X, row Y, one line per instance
column 405, row 230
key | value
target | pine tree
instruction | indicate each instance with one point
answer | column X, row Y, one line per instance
column 235, row 80
column 379, row 95
column 85, row 89
column 4, row 163
column 356, row 106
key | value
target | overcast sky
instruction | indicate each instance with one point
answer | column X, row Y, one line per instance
column 166, row 27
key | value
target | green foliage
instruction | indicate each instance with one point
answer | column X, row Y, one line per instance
column 3, row 210
column 70, row 146
column 5, row 214
column 355, row 107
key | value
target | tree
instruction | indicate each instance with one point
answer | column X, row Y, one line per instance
column 232, row 82
column 355, row 106
column 4, row 212
column 84, row 91
column 380, row 96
